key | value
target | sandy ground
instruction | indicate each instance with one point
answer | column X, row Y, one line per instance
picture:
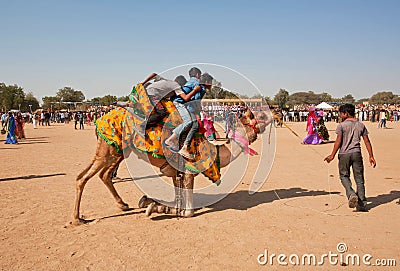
column 301, row 209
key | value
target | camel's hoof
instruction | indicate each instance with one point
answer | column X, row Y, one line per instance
column 144, row 202
column 78, row 222
column 188, row 213
column 123, row 206
column 151, row 208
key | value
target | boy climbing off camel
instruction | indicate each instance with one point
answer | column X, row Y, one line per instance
column 189, row 110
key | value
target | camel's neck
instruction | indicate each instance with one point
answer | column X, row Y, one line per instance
column 229, row 152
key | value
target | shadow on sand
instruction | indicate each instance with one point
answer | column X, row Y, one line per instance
column 383, row 199
column 241, row 200
column 130, row 211
column 32, row 142
column 28, row 177
column 123, row 180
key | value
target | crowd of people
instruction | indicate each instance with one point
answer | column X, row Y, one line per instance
column 12, row 124
column 373, row 113
column 14, row 121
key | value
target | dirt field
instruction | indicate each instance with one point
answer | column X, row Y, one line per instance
column 301, row 209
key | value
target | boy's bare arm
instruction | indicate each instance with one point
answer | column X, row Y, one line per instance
column 151, row 76
column 369, row 149
column 336, row 147
column 187, row 97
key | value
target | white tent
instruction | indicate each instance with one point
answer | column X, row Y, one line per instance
column 324, row 105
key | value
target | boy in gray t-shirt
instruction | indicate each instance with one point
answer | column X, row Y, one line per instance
column 349, row 133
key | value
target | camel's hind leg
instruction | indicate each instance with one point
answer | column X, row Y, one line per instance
column 106, row 176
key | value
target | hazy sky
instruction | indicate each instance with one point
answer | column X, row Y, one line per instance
column 104, row 47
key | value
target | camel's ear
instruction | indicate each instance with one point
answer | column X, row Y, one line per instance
column 247, row 117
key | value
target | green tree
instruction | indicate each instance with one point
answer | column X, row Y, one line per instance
column 11, row 97
column 362, row 100
column 216, row 92
column 242, row 96
column 50, row 102
column 306, row 98
column 123, row 98
column 384, row 97
column 348, row 99
column 298, row 98
column 281, row 98
column 257, row 96
column 30, row 103
column 324, row 97
column 95, row 101
column 108, row 100
column 68, row 94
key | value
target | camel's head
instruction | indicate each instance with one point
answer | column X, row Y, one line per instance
column 252, row 125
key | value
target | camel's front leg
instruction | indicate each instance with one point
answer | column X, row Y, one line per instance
column 183, row 196
column 183, row 199
column 188, row 184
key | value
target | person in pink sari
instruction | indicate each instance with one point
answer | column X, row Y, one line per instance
column 208, row 123
column 312, row 132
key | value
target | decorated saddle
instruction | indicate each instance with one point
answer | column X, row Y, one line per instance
column 118, row 128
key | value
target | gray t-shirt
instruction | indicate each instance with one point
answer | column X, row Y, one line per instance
column 164, row 88
column 351, row 131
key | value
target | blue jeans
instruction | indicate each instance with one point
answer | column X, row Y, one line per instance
column 353, row 160
column 188, row 120
column 382, row 123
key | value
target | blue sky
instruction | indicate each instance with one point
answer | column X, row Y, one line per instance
column 104, row 47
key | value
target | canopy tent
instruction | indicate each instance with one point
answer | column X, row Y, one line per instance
column 324, row 105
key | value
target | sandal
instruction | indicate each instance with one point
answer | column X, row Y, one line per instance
column 186, row 154
column 173, row 148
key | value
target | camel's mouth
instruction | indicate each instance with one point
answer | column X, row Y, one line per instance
column 251, row 134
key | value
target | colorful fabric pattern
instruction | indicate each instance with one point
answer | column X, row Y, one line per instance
column 117, row 128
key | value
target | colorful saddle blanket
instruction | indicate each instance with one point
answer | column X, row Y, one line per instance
column 118, row 126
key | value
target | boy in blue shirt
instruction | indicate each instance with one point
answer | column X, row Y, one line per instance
column 189, row 110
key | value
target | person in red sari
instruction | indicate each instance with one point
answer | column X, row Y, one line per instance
column 19, row 131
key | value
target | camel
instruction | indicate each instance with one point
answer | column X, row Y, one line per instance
column 277, row 116
column 107, row 159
